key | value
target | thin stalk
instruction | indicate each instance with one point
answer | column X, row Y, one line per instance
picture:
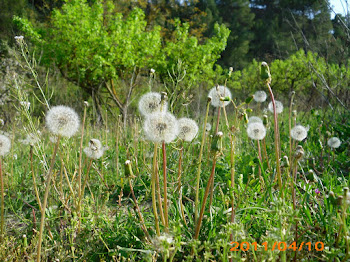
column 154, row 175
column 290, row 128
column 277, row 140
column 47, row 190
column 180, row 185
column 80, row 159
column 84, row 185
column 265, row 153
column 200, row 163
column 260, row 158
column 34, row 181
column 2, row 204
column 165, row 186
column 199, row 222
column 144, row 228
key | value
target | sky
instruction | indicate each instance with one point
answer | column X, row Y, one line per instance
column 338, row 7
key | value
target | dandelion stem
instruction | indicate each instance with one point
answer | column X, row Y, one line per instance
column 34, row 181
column 154, row 174
column 47, row 190
column 210, row 181
column 80, row 162
column 165, row 186
column 179, row 187
column 277, row 139
column 2, row 204
column 200, row 163
column 290, row 128
column 139, row 212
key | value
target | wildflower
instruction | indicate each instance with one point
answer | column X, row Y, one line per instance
column 161, row 127
column 279, row 107
column 217, row 93
column 298, row 133
column 5, row 145
column 188, row 129
column 208, row 127
column 254, row 119
column 260, row 96
column 95, row 149
column 62, row 120
column 317, row 191
column 19, row 39
column 152, row 103
column 256, row 131
column 152, row 71
column 25, row 104
column 334, row 142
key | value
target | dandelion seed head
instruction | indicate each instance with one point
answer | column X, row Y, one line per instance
column 298, row 133
column 5, row 145
column 188, row 129
column 219, row 92
column 334, row 142
column 159, row 127
column 62, row 120
column 162, row 242
column 256, row 131
column 95, row 149
column 254, row 119
column 151, row 103
column 279, row 107
column 208, row 127
column 260, row 96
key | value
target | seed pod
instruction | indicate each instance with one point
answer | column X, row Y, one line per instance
column 265, row 72
column 128, row 170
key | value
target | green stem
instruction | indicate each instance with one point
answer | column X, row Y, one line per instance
column 2, row 204
column 165, row 186
column 154, row 204
column 210, row 181
column 47, row 190
column 200, row 163
column 277, row 140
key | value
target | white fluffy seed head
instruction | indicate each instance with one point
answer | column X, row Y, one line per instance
column 256, row 131
column 159, row 127
column 5, row 145
column 216, row 93
column 298, row 133
column 254, row 119
column 208, row 127
column 152, row 103
column 188, row 129
column 95, row 149
column 279, row 107
column 334, row 142
column 260, row 96
column 62, row 120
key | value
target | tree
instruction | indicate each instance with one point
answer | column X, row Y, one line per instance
column 94, row 47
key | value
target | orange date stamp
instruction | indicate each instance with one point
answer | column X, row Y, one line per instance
column 281, row 246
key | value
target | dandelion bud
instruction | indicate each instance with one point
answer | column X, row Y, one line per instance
column 152, row 71
column 209, row 99
column 208, row 127
column 231, row 69
column 285, row 161
column 265, row 120
column 339, row 200
column 216, row 93
column 5, row 145
column 249, row 99
column 332, row 198
column 334, row 142
column 128, row 169
column 299, row 153
column 265, row 72
column 216, row 143
column 86, row 103
column 311, row 176
column 62, row 120
column 25, row 242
